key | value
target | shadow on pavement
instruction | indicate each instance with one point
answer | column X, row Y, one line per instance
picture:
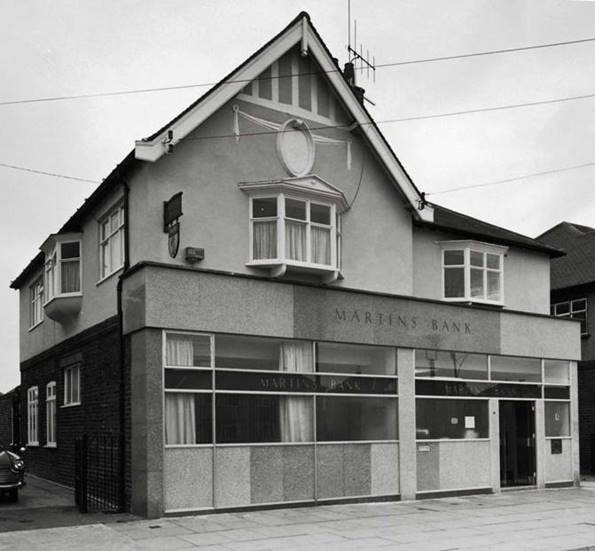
column 43, row 504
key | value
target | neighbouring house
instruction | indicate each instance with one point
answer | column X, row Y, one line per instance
column 260, row 300
column 10, row 417
column 572, row 297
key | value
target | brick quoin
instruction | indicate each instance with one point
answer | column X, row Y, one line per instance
column 99, row 412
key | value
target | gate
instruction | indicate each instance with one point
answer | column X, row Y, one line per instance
column 98, row 480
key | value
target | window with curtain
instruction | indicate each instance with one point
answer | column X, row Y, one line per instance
column 63, row 270
column 111, row 242
column 473, row 271
column 307, row 235
column 50, row 414
column 36, row 305
column 188, row 418
column 32, row 416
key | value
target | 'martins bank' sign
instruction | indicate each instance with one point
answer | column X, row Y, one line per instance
column 404, row 323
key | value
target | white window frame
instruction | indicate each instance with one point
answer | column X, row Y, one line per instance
column 109, row 240
column 50, row 414
column 36, row 313
column 281, row 220
column 33, row 416
column 572, row 311
column 467, row 247
column 53, row 271
column 72, row 385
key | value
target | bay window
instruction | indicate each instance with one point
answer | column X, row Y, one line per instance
column 63, row 270
column 473, row 272
column 293, row 225
column 290, row 230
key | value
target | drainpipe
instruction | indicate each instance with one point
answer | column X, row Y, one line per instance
column 122, row 458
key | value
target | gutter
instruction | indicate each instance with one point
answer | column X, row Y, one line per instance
column 122, row 343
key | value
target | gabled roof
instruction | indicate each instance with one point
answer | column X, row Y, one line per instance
column 578, row 266
column 452, row 221
column 299, row 31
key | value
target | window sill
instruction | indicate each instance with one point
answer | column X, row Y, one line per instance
column 73, row 404
column 54, row 446
column 33, row 444
column 278, row 268
column 35, row 326
column 471, row 301
column 109, row 276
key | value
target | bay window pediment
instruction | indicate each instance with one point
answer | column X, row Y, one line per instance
column 293, row 225
column 62, row 276
column 473, row 271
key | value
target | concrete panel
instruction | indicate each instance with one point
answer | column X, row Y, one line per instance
column 384, row 468
column 495, row 444
column 266, row 474
column 188, row 478
column 356, row 470
column 407, row 448
column 330, row 478
column 333, row 315
column 574, row 422
column 465, row 464
column 298, row 473
column 541, row 444
column 178, row 299
column 523, row 335
column 232, row 477
column 558, row 467
column 428, row 467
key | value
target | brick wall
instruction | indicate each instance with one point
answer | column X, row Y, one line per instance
column 98, row 350
column 586, row 414
column 6, row 419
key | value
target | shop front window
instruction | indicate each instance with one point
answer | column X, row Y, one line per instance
column 451, row 419
column 441, row 363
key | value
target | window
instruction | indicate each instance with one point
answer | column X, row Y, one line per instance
column 111, row 242
column 293, row 231
column 473, row 271
column 36, row 305
column 451, row 418
column 440, row 363
column 557, row 419
column 63, row 270
column 514, row 368
column 50, row 414
column 32, row 416
column 575, row 309
column 72, row 388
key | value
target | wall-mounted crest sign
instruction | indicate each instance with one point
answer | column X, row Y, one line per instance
column 172, row 210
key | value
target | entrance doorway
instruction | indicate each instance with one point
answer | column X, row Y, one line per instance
column 517, row 443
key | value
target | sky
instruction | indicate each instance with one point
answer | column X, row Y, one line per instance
column 64, row 48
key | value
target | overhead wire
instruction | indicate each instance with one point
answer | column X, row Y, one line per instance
column 246, row 81
column 54, row 174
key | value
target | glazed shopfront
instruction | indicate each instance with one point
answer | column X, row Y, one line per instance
column 254, row 393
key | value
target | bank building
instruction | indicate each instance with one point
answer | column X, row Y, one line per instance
column 265, row 310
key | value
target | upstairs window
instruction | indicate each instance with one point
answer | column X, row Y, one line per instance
column 36, row 303
column 111, row 242
column 293, row 231
column 575, row 309
column 473, row 272
column 63, row 270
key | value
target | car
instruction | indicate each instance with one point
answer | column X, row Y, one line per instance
column 12, row 470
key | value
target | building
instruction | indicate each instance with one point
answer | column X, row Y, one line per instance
column 263, row 301
column 10, row 417
column 573, row 291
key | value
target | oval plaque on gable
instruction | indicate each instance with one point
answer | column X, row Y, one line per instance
column 295, row 147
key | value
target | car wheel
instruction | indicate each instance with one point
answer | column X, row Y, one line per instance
column 13, row 495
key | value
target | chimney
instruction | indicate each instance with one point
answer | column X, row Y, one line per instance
column 359, row 93
column 349, row 73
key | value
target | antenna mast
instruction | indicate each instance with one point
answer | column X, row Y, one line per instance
column 353, row 55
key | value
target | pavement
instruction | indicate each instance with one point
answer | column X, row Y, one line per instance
column 44, row 504
column 552, row 519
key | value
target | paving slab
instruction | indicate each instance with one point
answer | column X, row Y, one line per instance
column 553, row 519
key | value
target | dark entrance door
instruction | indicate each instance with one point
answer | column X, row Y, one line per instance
column 517, row 443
